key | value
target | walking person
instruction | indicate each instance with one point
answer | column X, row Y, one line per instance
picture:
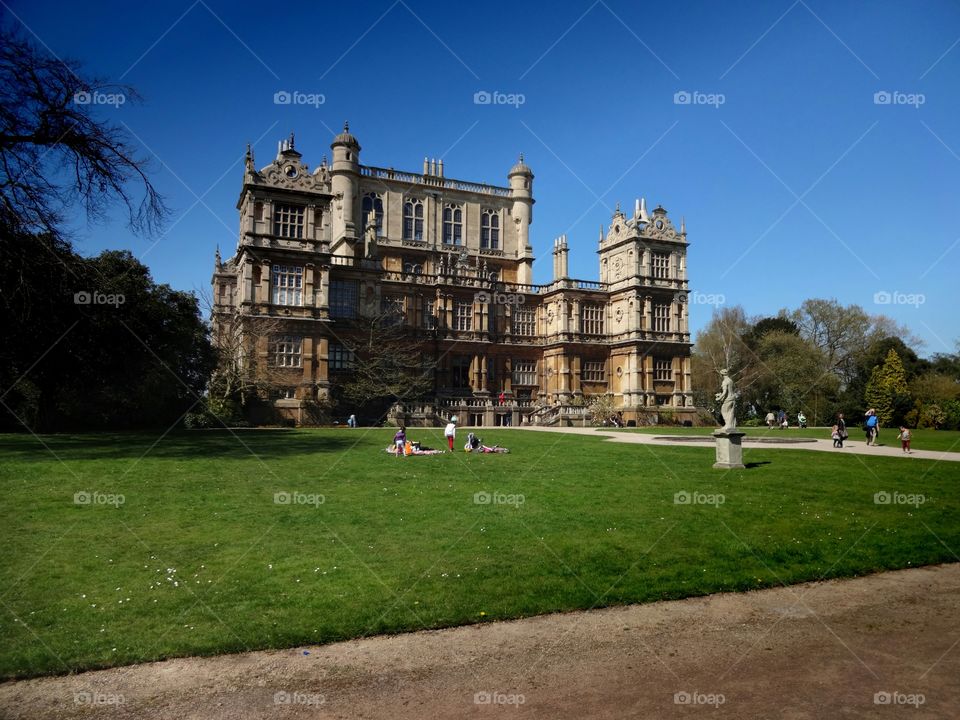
column 770, row 420
column 841, row 429
column 835, row 434
column 352, row 421
column 450, row 432
column 904, row 438
column 871, row 427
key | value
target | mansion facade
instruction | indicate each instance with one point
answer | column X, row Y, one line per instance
column 319, row 248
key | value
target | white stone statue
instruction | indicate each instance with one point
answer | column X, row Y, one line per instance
column 370, row 235
column 727, row 398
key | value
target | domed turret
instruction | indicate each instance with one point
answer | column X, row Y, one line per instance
column 346, row 138
column 344, row 180
column 521, row 168
column 521, row 190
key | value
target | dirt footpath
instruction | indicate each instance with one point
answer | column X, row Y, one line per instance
column 884, row 646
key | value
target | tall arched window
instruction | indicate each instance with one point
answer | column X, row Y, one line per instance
column 452, row 224
column 373, row 201
column 413, row 219
column 490, row 229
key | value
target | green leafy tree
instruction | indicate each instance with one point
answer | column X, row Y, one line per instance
column 887, row 391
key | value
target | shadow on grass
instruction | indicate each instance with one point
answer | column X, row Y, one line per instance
column 751, row 465
column 182, row 444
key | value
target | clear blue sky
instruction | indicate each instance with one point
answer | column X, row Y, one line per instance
column 798, row 185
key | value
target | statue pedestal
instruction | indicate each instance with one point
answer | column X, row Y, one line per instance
column 729, row 449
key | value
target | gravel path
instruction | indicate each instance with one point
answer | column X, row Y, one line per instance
column 882, row 646
column 855, row 447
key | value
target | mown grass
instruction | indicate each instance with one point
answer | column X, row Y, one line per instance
column 403, row 544
column 926, row 439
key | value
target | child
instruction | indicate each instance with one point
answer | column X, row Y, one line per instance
column 904, row 438
column 835, row 434
column 400, row 440
column 450, row 432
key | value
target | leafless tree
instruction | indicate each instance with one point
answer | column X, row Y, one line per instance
column 56, row 155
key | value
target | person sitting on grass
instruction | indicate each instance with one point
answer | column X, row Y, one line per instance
column 475, row 444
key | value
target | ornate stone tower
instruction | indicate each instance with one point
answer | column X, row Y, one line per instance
column 521, row 190
column 345, row 177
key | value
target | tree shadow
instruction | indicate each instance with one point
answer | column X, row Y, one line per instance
column 185, row 444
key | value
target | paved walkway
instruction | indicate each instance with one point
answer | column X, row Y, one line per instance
column 858, row 447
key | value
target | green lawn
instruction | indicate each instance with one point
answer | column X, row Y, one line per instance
column 948, row 440
column 200, row 559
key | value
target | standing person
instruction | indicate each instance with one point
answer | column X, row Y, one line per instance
column 502, row 398
column 904, row 438
column 450, row 432
column 870, row 427
column 835, row 434
column 352, row 421
column 400, row 440
column 841, row 429
column 770, row 420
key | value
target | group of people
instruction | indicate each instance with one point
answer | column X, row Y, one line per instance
column 781, row 420
column 403, row 446
column 871, row 427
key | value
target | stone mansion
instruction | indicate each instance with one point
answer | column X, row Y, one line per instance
column 318, row 247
